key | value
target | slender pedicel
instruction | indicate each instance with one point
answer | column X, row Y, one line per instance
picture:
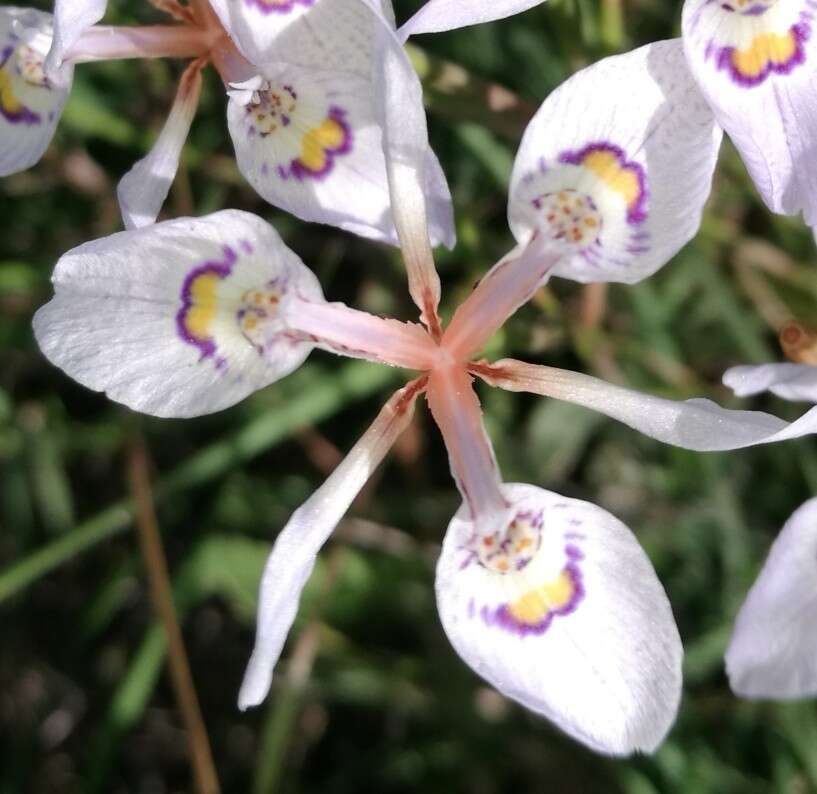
column 456, row 410
column 508, row 285
column 362, row 335
column 104, row 43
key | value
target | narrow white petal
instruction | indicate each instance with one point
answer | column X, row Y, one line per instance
column 296, row 548
column 143, row 190
column 71, row 19
column 618, row 162
column 696, row 424
column 178, row 319
column 30, row 101
column 438, row 15
column 399, row 102
column 773, row 650
column 789, row 381
column 566, row 616
column 757, row 66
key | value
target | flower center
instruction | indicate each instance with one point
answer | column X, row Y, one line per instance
column 272, row 108
column 258, row 307
column 514, row 549
column 30, row 66
column 571, row 216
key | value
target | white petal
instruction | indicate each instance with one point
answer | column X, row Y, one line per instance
column 311, row 146
column 568, row 618
column 697, row 424
column 757, row 67
column 293, row 555
column 439, row 204
column 437, row 15
column 143, row 190
column 178, row 319
column 618, row 161
column 773, row 651
column 321, row 34
column 789, row 381
column 30, row 102
column 399, row 102
column 71, row 19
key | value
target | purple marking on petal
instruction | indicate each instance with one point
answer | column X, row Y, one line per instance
column 219, row 268
column 277, row 6
column 724, row 57
column 637, row 209
column 300, row 171
column 501, row 617
column 21, row 115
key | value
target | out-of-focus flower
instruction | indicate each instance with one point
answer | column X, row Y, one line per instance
column 30, row 100
column 773, row 650
column 756, row 63
column 550, row 599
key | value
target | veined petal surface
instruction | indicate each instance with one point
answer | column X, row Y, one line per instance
column 324, row 34
column 178, row 319
column 30, row 101
column 565, row 615
column 773, row 650
column 756, row 63
column 618, row 162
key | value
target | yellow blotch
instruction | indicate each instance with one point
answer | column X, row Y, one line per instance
column 8, row 100
column 606, row 167
column 316, row 142
column 766, row 48
column 204, row 299
column 533, row 606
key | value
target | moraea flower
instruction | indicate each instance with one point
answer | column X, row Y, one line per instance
column 299, row 79
column 298, row 76
column 550, row 599
column 773, row 650
column 30, row 100
column 756, row 62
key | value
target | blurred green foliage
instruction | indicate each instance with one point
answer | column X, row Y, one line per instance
column 385, row 706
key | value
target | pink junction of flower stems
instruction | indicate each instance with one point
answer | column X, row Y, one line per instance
column 444, row 356
column 446, row 362
column 198, row 33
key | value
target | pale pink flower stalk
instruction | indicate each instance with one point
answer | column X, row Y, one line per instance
column 551, row 600
column 773, row 650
